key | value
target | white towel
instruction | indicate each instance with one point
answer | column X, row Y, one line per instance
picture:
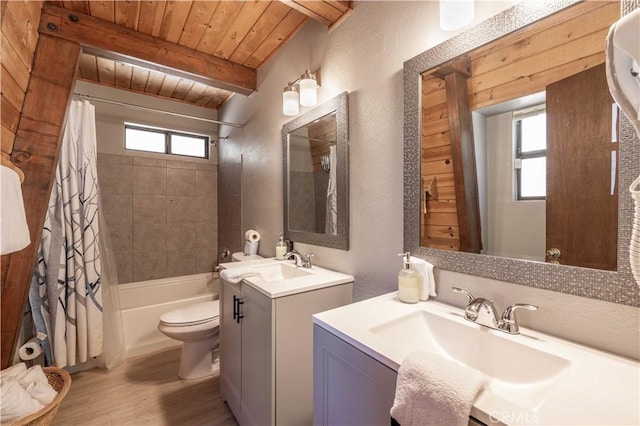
column 432, row 390
column 427, row 279
column 14, row 232
column 31, row 382
column 15, row 402
column 235, row 275
column 34, row 374
column 44, row 393
column 15, row 371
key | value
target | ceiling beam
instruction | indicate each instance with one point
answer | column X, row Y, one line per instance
column 306, row 11
column 36, row 151
column 159, row 54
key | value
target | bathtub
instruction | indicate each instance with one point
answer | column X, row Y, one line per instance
column 143, row 302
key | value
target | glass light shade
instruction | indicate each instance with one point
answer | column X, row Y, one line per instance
column 308, row 90
column 456, row 14
column 290, row 104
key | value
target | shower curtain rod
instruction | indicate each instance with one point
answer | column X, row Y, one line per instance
column 93, row 98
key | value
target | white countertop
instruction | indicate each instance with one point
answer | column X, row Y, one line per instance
column 590, row 387
column 316, row 278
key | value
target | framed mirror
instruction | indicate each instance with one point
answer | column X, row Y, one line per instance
column 465, row 66
column 316, row 175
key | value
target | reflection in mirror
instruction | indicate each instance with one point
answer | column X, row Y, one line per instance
column 312, row 190
column 527, row 62
column 534, row 175
column 316, row 175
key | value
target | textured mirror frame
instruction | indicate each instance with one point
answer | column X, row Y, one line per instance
column 339, row 104
column 612, row 286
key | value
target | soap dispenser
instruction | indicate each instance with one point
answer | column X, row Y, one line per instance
column 408, row 281
column 281, row 248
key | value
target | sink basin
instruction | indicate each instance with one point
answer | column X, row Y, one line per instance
column 522, row 373
column 494, row 353
column 532, row 378
column 280, row 271
column 279, row 278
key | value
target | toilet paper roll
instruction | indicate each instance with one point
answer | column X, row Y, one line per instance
column 30, row 350
column 252, row 235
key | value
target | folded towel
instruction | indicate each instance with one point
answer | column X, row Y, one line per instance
column 14, row 371
column 15, row 402
column 44, row 393
column 34, row 374
column 428, row 280
column 235, row 275
column 14, row 231
column 432, row 390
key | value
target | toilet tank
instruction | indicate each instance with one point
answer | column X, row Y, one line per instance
column 240, row 257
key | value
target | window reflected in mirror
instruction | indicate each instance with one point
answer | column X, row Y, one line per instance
column 517, row 156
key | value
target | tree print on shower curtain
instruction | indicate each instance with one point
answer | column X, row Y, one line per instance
column 65, row 294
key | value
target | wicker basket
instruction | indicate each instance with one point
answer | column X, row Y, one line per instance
column 60, row 380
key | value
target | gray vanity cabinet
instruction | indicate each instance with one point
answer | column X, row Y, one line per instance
column 349, row 387
column 245, row 353
column 266, row 351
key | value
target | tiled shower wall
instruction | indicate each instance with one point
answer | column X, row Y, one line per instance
column 161, row 215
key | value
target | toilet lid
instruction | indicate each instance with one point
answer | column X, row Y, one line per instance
column 192, row 314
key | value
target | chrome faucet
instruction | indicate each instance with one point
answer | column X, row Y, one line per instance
column 303, row 260
column 483, row 312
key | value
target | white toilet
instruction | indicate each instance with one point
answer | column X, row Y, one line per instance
column 197, row 327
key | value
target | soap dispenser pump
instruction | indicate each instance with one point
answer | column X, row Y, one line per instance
column 408, row 281
column 281, row 248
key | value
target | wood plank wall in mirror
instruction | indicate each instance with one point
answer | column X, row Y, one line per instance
column 520, row 65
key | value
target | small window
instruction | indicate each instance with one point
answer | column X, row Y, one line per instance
column 150, row 139
column 531, row 153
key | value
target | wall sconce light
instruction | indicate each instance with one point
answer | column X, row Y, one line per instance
column 303, row 91
column 290, row 104
column 456, row 14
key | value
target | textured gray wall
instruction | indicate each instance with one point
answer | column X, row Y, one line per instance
column 365, row 57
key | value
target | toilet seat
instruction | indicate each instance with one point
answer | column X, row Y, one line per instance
column 195, row 314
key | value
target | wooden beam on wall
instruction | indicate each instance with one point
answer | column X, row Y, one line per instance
column 464, row 162
column 36, row 150
column 154, row 52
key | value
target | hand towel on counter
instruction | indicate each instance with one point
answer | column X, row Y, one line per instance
column 428, row 280
column 235, row 275
column 433, row 390
column 14, row 233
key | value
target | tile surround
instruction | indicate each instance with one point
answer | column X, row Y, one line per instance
column 161, row 214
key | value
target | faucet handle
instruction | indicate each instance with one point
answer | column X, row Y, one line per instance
column 465, row 292
column 508, row 321
column 307, row 260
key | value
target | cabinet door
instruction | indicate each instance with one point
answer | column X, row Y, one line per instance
column 349, row 387
column 230, row 347
column 257, row 367
column 294, row 347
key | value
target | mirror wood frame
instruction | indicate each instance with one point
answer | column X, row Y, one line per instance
column 612, row 286
column 339, row 105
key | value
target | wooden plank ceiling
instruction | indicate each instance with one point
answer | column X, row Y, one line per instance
column 243, row 32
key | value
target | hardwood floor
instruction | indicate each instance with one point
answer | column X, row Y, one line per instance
column 144, row 391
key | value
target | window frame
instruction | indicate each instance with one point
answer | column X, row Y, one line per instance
column 518, row 156
column 168, row 133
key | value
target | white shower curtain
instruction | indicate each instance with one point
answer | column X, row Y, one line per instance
column 68, row 286
column 331, row 216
